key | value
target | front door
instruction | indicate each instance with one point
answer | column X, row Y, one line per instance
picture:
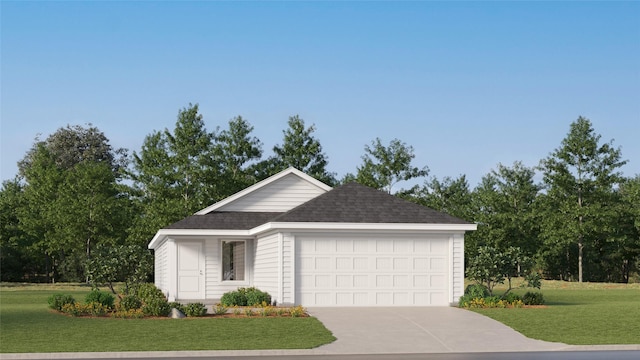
column 190, row 271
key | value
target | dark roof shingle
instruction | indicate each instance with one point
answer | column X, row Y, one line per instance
column 355, row 203
column 349, row 203
column 230, row 220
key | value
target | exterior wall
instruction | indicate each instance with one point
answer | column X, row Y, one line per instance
column 214, row 286
column 267, row 264
column 161, row 267
column 280, row 196
column 288, row 269
column 458, row 267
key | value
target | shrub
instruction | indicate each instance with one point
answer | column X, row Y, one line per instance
column 195, row 309
column 128, row 314
column 477, row 291
column 101, row 297
column 75, row 309
column 156, row 307
column 148, row 292
column 234, row 298
column 267, row 311
column 178, row 306
column 130, row 302
column 220, row 309
column 511, row 297
column 245, row 297
column 96, row 309
column 57, row 301
column 533, row 298
column 256, row 297
column 297, row 311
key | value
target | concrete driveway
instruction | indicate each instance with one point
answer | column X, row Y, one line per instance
column 420, row 330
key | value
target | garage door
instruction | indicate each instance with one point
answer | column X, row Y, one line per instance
column 372, row 271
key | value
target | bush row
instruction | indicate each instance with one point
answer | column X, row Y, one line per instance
column 144, row 300
column 478, row 296
column 245, row 297
column 147, row 300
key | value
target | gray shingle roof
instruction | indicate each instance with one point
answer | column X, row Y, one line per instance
column 229, row 220
column 355, row 203
column 349, row 203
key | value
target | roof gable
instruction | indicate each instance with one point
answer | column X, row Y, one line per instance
column 278, row 193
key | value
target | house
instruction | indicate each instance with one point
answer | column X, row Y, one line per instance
column 306, row 243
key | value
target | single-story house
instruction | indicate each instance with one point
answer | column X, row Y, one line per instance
column 308, row 244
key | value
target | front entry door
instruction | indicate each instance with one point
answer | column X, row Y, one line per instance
column 190, row 271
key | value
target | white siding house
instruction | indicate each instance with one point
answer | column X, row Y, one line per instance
column 306, row 243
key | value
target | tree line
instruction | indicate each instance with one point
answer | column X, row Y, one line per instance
column 75, row 196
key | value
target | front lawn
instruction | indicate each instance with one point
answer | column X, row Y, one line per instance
column 28, row 325
column 578, row 314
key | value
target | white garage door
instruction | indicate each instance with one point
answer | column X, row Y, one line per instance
column 372, row 271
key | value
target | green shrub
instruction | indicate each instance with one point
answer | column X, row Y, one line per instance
column 245, row 297
column 511, row 297
column 234, row 298
column 477, row 291
column 533, row 298
column 256, row 297
column 195, row 309
column 176, row 305
column 100, row 297
column 57, row 301
column 148, row 292
column 464, row 301
column 156, row 307
column 130, row 302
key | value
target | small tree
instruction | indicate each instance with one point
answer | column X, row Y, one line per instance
column 127, row 263
column 491, row 267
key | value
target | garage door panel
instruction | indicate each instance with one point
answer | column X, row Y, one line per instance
column 333, row 272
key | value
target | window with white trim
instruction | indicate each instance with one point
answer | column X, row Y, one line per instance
column 233, row 260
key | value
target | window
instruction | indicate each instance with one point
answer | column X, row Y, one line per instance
column 233, row 260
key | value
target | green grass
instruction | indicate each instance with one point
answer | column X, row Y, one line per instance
column 28, row 325
column 578, row 314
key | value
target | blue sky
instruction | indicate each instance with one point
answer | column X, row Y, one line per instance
column 467, row 84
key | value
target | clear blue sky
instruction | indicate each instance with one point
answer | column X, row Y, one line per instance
column 467, row 84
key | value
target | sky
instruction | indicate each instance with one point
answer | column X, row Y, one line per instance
column 468, row 85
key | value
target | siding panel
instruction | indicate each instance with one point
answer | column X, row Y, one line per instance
column 265, row 275
column 280, row 196
column 161, row 265
column 458, row 267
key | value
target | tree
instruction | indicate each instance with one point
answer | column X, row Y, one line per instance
column 174, row 175
column 301, row 151
column 383, row 167
column 18, row 260
column 579, row 179
column 492, row 266
column 119, row 263
column 237, row 152
column 71, row 197
column 622, row 251
column 504, row 208
column 451, row 196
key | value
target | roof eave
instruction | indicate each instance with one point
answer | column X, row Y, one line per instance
column 162, row 234
column 361, row 226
